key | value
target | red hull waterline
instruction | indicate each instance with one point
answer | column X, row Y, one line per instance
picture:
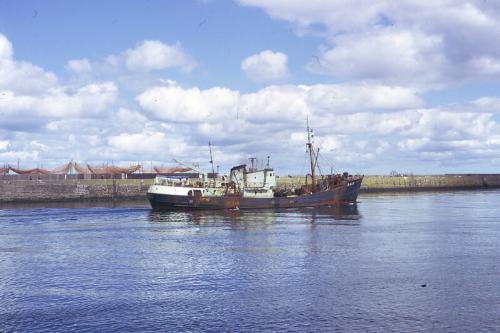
column 340, row 194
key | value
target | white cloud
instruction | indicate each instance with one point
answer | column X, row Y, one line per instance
column 411, row 43
column 31, row 97
column 348, row 131
column 88, row 101
column 4, row 144
column 246, row 124
column 128, row 118
column 413, row 144
column 176, row 104
column 148, row 142
column 485, row 66
column 362, row 124
column 155, row 55
column 266, row 66
column 342, row 14
column 23, row 155
column 22, row 76
column 280, row 104
column 387, row 54
column 6, row 50
column 133, row 69
column 444, row 125
column 288, row 103
column 348, row 98
column 486, row 104
column 79, row 66
column 360, row 140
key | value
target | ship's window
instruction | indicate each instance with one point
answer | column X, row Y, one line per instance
column 190, row 193
column 197, row 193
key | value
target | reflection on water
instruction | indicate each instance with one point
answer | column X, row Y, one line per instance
column 338, row 215
column 74, row 204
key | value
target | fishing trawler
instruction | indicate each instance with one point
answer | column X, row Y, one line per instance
column 251, row 188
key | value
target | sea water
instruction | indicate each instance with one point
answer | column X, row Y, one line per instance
column 406, row 262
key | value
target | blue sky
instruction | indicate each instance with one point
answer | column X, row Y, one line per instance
column 219, row 33
column 388, row 85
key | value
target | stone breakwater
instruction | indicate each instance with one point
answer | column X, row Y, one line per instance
column 43, row 190
column 46, row 190
column 415, row 183
column 429, row 183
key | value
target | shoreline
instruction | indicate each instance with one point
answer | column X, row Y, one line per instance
column 113, row 191
column 396, row 190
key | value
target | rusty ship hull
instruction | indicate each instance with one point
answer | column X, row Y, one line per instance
column 342, row 193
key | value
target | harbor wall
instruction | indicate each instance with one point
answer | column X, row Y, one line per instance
column 44, row 189
column 41, row 190
column 414, row 182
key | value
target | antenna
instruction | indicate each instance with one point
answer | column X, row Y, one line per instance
column 252, row 161
column 267, row 166
column 211, row 158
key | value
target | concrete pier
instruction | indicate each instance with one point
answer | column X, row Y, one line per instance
column 45, row 189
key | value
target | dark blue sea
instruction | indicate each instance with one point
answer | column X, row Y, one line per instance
column 393, row 263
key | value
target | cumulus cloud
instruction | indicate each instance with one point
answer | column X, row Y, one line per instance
column 443, row 125
column 20, row 75
column 335, row 14
column 173, row 103
column 6, row 50
column 147, row 56
column 390, row 55
column 30, row 96
column 266, row 66
column 155, row 55
column 486, row 104
column 355, row 124
column 361, row 124
column 24, row 155
column 412, row 43
column 248, row 123
column 288, row 103
column 79, row 66
column 127, row 119
column 87, row 101
column 147, row 142
column 349, row 137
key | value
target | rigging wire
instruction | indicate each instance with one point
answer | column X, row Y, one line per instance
column 304, row 167
column 317, row 162
column 328, row 162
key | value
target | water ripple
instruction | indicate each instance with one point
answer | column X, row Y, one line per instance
column 412, row 262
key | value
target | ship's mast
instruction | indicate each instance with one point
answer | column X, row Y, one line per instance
column 211, row 160
column 309, row 146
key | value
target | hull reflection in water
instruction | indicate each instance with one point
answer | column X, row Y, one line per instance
column 347, row 214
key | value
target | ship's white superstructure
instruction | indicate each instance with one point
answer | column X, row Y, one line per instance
column 254, row 183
